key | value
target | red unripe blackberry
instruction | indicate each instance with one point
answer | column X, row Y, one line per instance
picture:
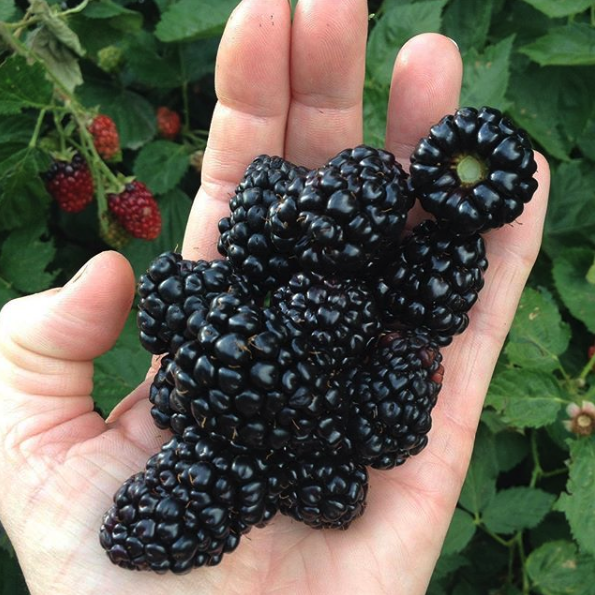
column 70, row 183
column 137, row 211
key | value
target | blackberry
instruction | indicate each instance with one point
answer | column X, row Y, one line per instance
column 434, row 281
column 392, row 397
column 248, row 378
column 347, row 214
column 327, row 493
column 171, row 290
column 336, row 316
column 474, row 170
column 244, row 238
column 196, row 498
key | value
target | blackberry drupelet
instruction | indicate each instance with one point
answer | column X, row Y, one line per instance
column 196, row 498
column 336, row 316
column 474, row 170
column 247, row 377
column 325, row 493
column 348, row 212
column 433, row 282
column 171, row 290
column 392, row 396
column 244, row 238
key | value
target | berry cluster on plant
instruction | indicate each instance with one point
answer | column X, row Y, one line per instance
column 312, row 350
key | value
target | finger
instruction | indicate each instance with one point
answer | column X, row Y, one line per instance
column 425, row 86
column 252, row 86
column 328, row 50
column 48, row 342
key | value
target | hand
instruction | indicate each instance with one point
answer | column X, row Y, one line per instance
column 298, row 95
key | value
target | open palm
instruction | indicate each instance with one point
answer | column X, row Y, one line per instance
column 289, row 89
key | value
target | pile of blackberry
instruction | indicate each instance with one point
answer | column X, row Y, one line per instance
column 311, row 350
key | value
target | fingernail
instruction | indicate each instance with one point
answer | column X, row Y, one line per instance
column 456, row 44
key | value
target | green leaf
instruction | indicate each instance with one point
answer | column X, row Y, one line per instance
column 570, row 219
column 133, row 114
column 577, row 503
column 184, row 21
column 570, row 275
column 460, row 532
column 26, row 254
column 119, row 17
column 122, row 369
column 556, row 568
column 161, row 165
column 538, row 335
column 447, row 564
column 175, row 208
column 468, row 22
column 526, row 399
column 517, row 508
column 480, row 483
column 150, row 64
column 375, row 105
column 17, row 128
column 560, row 8
column 23, row 197
column 23, row 85
column 569, row 45
column 60, row 60
column 399, row 23
column 12, row 582
column 7, row 10
column 485, row 76
column 586, row 141
column 511, row 449
column 56, row 26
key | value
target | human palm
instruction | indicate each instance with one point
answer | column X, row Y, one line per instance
column 290, row 89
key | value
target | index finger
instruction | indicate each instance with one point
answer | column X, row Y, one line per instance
column 253, row 91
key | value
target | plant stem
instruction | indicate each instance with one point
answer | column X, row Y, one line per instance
column 585, row 371
column 537, row 469
column 33, row 141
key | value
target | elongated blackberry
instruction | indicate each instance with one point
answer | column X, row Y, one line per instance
column 247, row 377
column 196, row 498
column 244, row 238
column 474, row 170
column 348, row 212
column 325, row 493
column 336, row 316
column 433, row 281
column 392, row 397
column 171, row 290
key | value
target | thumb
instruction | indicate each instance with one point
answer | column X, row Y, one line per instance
column 79, row 321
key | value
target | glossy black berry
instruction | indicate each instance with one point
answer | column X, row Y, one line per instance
column 346, row 215
column 244, row 238
column 196, row 498
column 474, row 170
column 325, row 493
column 392, row 397
column 333, row 315
column 433, row 281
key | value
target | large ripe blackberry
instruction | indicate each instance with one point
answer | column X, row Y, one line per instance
column 196, row 498
column 244, row 238
column 248, row 378
column 433, row 282
column 348, row 212
column 474, row 170
column 338, row 317
column 325, row 493
column 171, row 290
column 392, row 397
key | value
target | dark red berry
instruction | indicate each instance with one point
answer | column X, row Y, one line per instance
column 137, row 211
column 70, row 183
